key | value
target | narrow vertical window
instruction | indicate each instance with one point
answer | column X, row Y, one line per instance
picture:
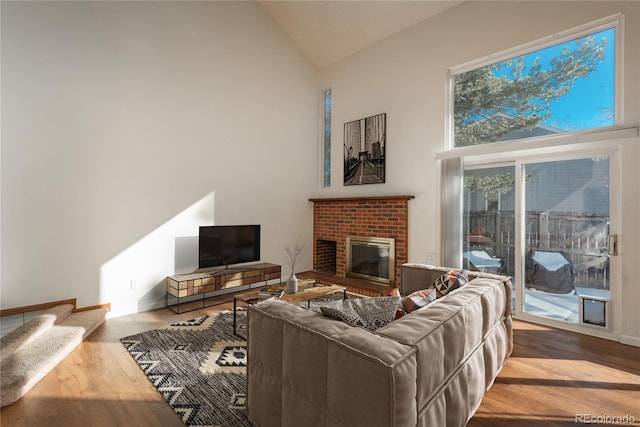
column 327, row 139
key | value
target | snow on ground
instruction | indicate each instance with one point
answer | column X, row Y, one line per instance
column 563, row 307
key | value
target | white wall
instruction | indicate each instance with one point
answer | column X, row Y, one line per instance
column 405, row 76
column 125, row 125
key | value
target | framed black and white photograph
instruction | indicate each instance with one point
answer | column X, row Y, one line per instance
column 365, row 144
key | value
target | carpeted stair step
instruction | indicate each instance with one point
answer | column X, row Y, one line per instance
column 32, row 329
column 88, row 320
column 21, row 369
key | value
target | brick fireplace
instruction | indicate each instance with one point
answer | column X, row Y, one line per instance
column 336, row 218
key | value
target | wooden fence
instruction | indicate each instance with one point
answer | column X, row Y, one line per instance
column 582, row 239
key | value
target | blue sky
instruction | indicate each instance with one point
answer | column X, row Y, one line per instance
column 590, row 102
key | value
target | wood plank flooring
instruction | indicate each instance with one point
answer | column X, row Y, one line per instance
column 551, row 377
column 559, row 378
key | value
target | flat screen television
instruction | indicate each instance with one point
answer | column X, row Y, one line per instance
column 223, row 245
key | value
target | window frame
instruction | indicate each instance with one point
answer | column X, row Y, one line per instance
column 614, row 21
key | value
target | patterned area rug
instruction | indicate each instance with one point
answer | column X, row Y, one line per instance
column 199, row 368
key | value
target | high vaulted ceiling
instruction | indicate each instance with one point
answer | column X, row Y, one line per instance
column 329, row 30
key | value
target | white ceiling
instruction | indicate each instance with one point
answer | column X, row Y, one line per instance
column 329, row 30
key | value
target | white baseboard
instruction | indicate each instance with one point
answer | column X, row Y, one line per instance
column 151, row 306
column 629, row 340
column 141, row 308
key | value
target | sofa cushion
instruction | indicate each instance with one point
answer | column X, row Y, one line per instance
column 419, row 299
column 450, row 281
column 371, row 313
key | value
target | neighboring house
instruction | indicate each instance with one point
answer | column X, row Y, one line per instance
column 539, row 130
column 582, row 191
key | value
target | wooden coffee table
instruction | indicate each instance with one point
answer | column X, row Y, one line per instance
column 307, row 292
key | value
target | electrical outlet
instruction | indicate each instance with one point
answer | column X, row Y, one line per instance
column 432, row 258
column 134, row 285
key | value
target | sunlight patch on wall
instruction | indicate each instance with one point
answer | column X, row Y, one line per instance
column 134, row 280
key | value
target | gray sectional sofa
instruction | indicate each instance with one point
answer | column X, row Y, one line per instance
column 431, row 367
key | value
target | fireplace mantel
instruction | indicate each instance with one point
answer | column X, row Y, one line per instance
column 335, row 218
column 356, row 199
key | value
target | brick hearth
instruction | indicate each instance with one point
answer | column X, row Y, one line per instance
column 336, row 218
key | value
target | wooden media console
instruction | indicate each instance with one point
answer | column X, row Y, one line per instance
column 201, row 283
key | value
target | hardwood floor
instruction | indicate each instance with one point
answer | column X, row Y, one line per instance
column 559, row 378
column 552, row 377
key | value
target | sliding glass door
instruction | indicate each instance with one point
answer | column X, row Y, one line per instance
column 566, row 228
column 489, row 219
column 548, row 229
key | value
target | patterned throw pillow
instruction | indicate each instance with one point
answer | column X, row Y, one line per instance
column 371, row 313
column 395, row 292
column 419, row 299
column 450, row 281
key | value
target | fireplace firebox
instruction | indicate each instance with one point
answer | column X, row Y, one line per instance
column 371, row 258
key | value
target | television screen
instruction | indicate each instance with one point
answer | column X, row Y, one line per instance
column 228, row 244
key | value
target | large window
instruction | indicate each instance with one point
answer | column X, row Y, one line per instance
column 562, row 87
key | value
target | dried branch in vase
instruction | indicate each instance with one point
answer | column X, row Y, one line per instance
column 293, row 253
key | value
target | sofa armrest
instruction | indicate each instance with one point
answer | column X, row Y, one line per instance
column 306, row 369
column 419, row 276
